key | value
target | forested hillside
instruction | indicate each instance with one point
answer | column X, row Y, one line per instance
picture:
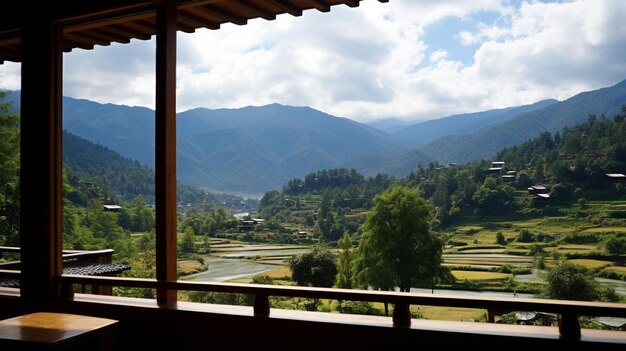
column 88, row 165
column 572, row 164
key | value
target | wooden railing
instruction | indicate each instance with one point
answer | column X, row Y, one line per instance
column 568, row 310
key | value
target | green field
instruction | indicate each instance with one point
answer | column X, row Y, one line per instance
column 475, row 275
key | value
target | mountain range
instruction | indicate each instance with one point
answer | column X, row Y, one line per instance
column 464, row 124
column 516, row 130
column 254, row 149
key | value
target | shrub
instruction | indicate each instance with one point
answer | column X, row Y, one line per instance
column 358, row 307
column 263, row 279
column 500, row 239
column 525, row 236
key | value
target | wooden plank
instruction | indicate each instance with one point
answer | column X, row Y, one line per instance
column 84, row 40
column 582, row 308
column 165, row 128
column 286, row 6
column 225, row 16
column 256, row 9
column 321, row 5
column 196, row 20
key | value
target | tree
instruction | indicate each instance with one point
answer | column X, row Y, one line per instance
column 540, row 262
column 315, row 268
column 344, row 267
column 397, row 248
column 568, row 281
column 9, row 174
column 187, row 242
column 616, row 246
column 500, row 239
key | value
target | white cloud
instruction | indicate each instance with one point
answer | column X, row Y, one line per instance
column 373, row 62
column 438, row 55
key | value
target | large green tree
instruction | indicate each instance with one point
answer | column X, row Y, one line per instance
column 344, row 266
column 397, row 248
column 568, row 281
column 315, row 268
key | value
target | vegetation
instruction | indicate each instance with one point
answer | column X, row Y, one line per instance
column 9, row 175
column 316, row 268
column 568, row 281
column 397, row 248
column 401, row 227
column 344, row 266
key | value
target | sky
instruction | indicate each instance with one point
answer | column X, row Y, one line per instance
column 412, row 60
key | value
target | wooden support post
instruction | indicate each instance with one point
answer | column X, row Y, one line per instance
column 491, row 316
column 40, row 170
column 261, row 305
column 569, row 326
column 67, row 290
column 401, row 315
column 165, row 128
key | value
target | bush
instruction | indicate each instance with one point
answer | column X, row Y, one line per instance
column 508, row 318
column 506, row 268
column 358, row 307
column 617, row 214
column 263, row 279
column 525, row 236
column 500, row 239
column 616, row 246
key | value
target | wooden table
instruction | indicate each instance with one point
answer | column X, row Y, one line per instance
column 56, row 331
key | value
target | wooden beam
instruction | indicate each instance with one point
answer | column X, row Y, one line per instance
column 69, row 44
column 196, row 20
column 210, row 10
column 165, row 128
column 108, row 22
column 352, row 3
column 112, row 34
column 287, row 7
column 321, row 5
column 121, row 30
column 84, row 39
column 139, row 30
column 40, row 171
column 256, row 9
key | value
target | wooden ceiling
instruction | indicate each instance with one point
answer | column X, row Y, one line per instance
column 106, row 22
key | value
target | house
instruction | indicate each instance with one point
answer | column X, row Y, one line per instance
column 37, row 37
column 508, row 178
column 616, row 177
column 541, row 200
column 538, row 189
column 112, row 208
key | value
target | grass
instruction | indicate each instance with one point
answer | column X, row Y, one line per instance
column 475, row 275
column 186, row 267
column 439, row 313
column 279, row 273
column 591, row 264
column 618, row 269
column 481, row 251
column 605, row 230
column 449, row 313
